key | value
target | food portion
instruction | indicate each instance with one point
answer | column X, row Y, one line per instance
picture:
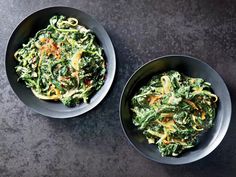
column 172, row 110
column 62, row 62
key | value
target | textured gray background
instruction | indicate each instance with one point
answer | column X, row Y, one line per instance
column 94, row 144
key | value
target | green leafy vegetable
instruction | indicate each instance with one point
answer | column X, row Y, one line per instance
column 172, row 110
column 62, row 62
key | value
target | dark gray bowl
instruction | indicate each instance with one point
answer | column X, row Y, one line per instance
column 26, row 29
column 191, row 67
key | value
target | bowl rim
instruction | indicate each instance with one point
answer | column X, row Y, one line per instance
column 212, row 147
column 111, row 75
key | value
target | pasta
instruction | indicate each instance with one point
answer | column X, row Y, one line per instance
column 62, row 62
column 172, row 110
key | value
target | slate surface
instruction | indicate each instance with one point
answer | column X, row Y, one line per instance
column 94, row 145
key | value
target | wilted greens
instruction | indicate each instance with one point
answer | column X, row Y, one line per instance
column 62, row 62
column 172, row 110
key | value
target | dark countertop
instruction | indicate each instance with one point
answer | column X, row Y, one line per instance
column 94, row 144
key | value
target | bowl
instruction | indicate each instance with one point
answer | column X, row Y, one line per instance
column 26, row 29
column 191, row 67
